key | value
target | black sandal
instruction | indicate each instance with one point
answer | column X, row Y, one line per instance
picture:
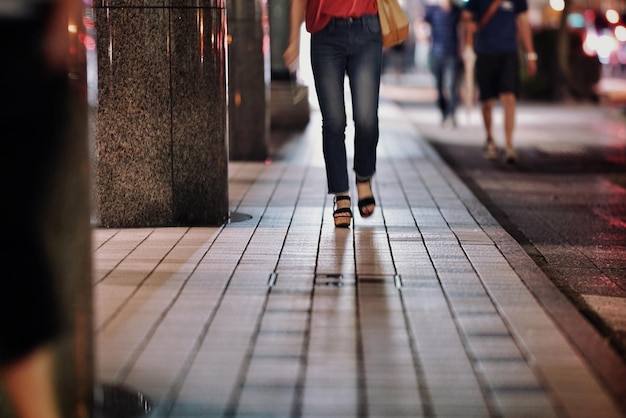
column 366, row 201
column 341, row 220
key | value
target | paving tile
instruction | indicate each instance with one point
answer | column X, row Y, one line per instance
column 521, row 404
column 266, row 401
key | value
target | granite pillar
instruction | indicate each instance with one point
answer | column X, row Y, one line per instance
column 161, row 151
column 248, row 79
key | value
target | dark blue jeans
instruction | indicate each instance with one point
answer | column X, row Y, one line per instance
column 351, row 47
column 446, row 72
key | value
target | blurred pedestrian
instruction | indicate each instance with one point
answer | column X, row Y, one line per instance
column 34, row 45
column 497, row 25
column 345, row 40
column 444, row 57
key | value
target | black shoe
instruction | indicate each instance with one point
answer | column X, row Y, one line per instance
column 341, row 220
column 366, row 201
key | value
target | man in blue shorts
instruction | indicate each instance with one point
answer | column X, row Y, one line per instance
column 493, row 26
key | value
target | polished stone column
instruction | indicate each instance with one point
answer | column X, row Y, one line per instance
column 161, row 148
column 248, row 79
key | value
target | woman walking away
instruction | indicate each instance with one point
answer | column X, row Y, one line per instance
column 345, row 41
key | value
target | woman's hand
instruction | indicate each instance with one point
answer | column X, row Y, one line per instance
column 291, row 55
column 296, row 17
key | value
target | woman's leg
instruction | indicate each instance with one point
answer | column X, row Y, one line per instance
column 328, row 61
column 364, row 72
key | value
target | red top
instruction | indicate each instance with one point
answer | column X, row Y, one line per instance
column 319, row 12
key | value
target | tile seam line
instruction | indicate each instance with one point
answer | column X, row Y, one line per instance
column 106, row 241
column 235, row 397
column 361, row 398
column 424, row 392
column 297, row 406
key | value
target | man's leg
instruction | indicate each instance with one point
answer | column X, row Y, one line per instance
column 509, row 103
column 440, row 80
column 436, row 68
column 491, row 151
column 509, row 87
column 487, row 108
column 451, row 87
column 486, row 78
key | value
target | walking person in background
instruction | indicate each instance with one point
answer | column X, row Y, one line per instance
column 444, row 56
column 34, row 44
column 496, row 26
column 345, row 40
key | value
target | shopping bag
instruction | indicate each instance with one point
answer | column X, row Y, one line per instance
column 394, row 22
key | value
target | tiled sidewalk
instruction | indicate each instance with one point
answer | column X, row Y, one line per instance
column 413, row 312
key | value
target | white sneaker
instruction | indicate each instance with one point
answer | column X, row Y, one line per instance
column 491, row 151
